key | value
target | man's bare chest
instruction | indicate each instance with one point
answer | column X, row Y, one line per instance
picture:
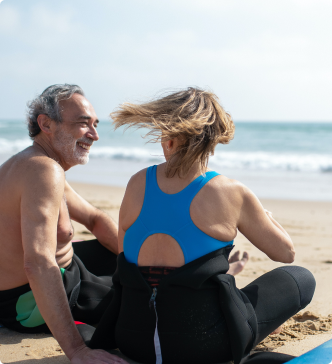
column 65, row 229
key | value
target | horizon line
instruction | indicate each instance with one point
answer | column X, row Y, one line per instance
column 235, row 120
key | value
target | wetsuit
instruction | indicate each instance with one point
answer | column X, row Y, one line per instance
column 87, row 281
column 195, row 313
column 202, row 316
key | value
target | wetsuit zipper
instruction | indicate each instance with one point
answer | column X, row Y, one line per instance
column 157, row 348
column 152, row 301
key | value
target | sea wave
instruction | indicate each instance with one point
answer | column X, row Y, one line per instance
column 264, row 161
column 260, row 160
column 129, row 154
column 8, row 146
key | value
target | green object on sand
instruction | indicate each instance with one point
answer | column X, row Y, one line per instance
column 28, row 314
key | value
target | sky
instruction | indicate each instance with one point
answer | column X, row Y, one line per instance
column 266, row 60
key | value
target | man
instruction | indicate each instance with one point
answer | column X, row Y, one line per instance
column 39, row 271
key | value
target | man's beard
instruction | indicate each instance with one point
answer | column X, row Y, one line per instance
column 66, row 146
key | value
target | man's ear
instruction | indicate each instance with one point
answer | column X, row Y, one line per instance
column 44, row 123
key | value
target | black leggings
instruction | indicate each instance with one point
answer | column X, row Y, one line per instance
column 278, row 295
column 96, row 265
column 97, row 259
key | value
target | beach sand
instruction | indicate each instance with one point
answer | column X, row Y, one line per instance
column 308, row 223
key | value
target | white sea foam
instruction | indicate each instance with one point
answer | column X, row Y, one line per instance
column 129, row 154
column 273, row 161
column 263, row 161
column 13, row 146
column 238, row 160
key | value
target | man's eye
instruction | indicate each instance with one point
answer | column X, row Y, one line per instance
column 84, row 123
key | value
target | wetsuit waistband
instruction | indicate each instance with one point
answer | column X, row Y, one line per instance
column 153, row 275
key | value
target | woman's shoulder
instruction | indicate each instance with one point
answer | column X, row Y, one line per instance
column 134, row 195
column 137, row 182
column 138, row 177
column 222, row 189
column 221, row 183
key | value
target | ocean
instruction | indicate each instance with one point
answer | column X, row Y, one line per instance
column 278, row 160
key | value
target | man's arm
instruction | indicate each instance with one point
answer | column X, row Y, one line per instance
column 98, row 222
column 42, row 192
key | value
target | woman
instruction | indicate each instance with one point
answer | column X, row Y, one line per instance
column 177, row 224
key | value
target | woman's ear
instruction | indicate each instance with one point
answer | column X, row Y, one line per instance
column 170, row 144
column 44, row 123
column 167, row 146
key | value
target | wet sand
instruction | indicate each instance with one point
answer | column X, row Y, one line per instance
column 308, row 223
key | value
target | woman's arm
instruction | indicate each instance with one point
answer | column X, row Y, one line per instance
column 275, row 222
column 263, row 231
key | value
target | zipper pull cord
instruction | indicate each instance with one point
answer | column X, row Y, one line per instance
column 157, row 348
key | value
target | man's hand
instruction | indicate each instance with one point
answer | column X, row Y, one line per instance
column 89, row 356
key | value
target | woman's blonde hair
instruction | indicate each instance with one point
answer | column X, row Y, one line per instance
column 193, row 115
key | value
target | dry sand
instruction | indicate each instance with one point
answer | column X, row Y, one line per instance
column 308, row 223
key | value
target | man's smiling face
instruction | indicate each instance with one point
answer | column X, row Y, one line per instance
column 74, row 136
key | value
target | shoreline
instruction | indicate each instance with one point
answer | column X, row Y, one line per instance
column 81, row 185
column 267, row 184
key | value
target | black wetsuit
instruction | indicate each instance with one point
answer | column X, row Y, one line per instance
column 87, row 281
column 202, row 316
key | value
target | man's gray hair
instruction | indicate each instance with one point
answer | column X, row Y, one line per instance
column 48, row 103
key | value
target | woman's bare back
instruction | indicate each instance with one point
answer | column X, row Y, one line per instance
column 211, row 211
column 219, row 209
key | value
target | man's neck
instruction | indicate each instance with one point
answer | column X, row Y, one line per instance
column 46, row 148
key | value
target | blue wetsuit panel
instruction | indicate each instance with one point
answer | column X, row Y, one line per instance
column 170, row 214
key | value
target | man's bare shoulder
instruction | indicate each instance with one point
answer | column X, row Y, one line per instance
column 30, row 166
